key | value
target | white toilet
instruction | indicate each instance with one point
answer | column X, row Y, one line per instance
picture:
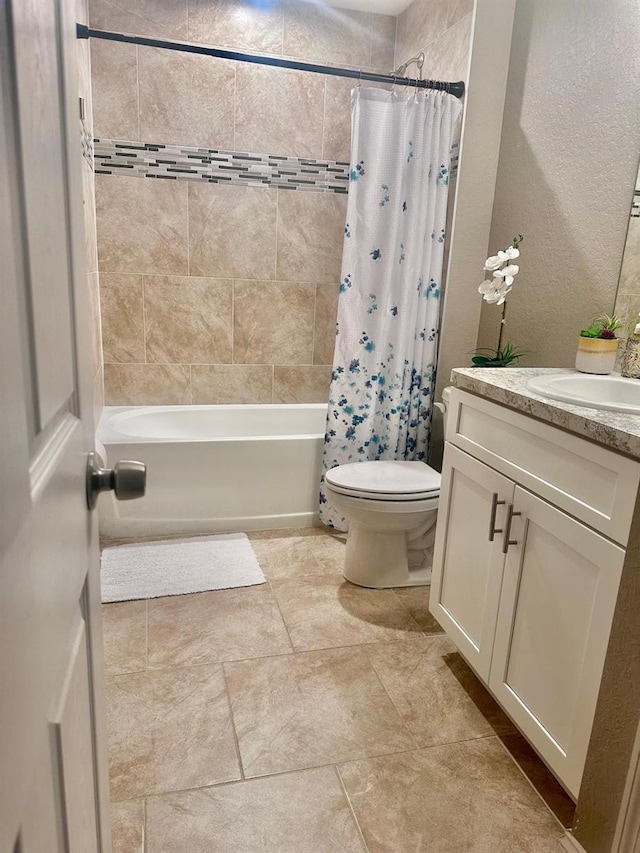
column 387, row 504
column 391, row 507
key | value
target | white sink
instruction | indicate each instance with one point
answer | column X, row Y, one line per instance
column 612, row 393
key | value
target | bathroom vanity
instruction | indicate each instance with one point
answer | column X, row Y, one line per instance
column 537, row 504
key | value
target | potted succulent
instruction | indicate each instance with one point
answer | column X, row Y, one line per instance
column 494, row 291
column 598, row 345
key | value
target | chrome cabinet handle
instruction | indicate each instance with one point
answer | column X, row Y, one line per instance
column 127, row 478
column 495, row 503
column 506, row 541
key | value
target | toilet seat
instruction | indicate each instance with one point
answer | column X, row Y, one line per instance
column 385, row 481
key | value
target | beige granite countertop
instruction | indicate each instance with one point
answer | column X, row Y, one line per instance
column 508, row 386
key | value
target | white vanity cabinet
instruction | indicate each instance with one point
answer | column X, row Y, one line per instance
column 528, row 557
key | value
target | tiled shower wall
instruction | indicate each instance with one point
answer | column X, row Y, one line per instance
column 210, row 292
column 440, row 28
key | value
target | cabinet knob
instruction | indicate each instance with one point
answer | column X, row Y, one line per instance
column 506, row 540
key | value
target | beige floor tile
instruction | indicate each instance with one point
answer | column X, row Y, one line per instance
column 127, row 826
column 439, row 698
column 205, row 627
column 416, row 600
column 303, row 812
column 304, row 710
column 540, row 777
column 329, row 551
column 325, row 612
column 460, row 798
column 289, row 557
column 169, row 731
column 124, row 626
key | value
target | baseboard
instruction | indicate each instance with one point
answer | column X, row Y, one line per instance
column 568, row 843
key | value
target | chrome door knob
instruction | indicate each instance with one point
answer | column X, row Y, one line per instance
column 127, row 478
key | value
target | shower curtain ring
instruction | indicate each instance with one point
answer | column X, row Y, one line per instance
column 359, row 78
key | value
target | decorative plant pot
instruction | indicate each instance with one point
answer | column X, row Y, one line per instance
column 596, row 355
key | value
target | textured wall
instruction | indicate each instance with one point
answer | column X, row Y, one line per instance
column 214, row 293
column 568, row 161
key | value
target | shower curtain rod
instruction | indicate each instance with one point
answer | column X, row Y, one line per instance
column 85, row 32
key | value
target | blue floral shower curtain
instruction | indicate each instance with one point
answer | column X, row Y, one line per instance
column 382, row 384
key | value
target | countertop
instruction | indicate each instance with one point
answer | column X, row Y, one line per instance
column 508, row 386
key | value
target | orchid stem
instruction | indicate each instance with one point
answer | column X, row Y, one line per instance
column 502, row 324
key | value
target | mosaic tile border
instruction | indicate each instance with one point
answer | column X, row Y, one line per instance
column 86, row 142
column 635, row 204
column 210, row 165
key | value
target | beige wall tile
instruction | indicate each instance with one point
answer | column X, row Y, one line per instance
column 336, row 142
column 188, row 320
column 292, row 813
column 237, row 24
column 89, row 206
column 94, row 314
column 319, row 33
column 231, row 384
column 324, row 338
column 146, row 384
column 169, row 730
column 98, row 396
column 420, row 24
column 231, row 231
column 122, row 317
column 301, row 384
column 463, row 796
column 155, row 18
column 279, row 111
column 310, row 235
column 457, row 9
column 186, row 99
column 114, row 83
column 127, row 826
column 447, row 57
column 383, row 42
column 273, row 322
column 142, row 225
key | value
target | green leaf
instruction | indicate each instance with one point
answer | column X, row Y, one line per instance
column 591, row 331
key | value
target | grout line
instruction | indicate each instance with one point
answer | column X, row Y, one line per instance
column 138, row 91
column 146, row 636
column 351, row 808
column 284, row 622
column 233, row 722
column 145, row 826
column 144, row 318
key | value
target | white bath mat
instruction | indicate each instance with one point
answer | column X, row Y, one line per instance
column 178, row 566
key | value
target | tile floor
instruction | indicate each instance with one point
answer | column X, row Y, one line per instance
column 311, row 716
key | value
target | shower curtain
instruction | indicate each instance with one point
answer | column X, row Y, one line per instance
column 383, row 376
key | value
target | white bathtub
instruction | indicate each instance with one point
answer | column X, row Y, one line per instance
column 215, row 468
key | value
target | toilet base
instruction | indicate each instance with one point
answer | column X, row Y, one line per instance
column 379, row 559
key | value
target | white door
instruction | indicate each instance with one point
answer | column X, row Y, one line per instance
column 558, row 596
column 53, row 785
column 468, row 559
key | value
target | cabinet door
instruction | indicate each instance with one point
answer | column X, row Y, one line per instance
column 468, row 559
column 558, row 596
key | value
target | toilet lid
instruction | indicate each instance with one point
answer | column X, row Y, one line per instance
column 397, row 478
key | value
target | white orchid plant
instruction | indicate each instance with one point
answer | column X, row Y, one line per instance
column 494, row 291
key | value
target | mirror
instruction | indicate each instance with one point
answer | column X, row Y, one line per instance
column 627, row 305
